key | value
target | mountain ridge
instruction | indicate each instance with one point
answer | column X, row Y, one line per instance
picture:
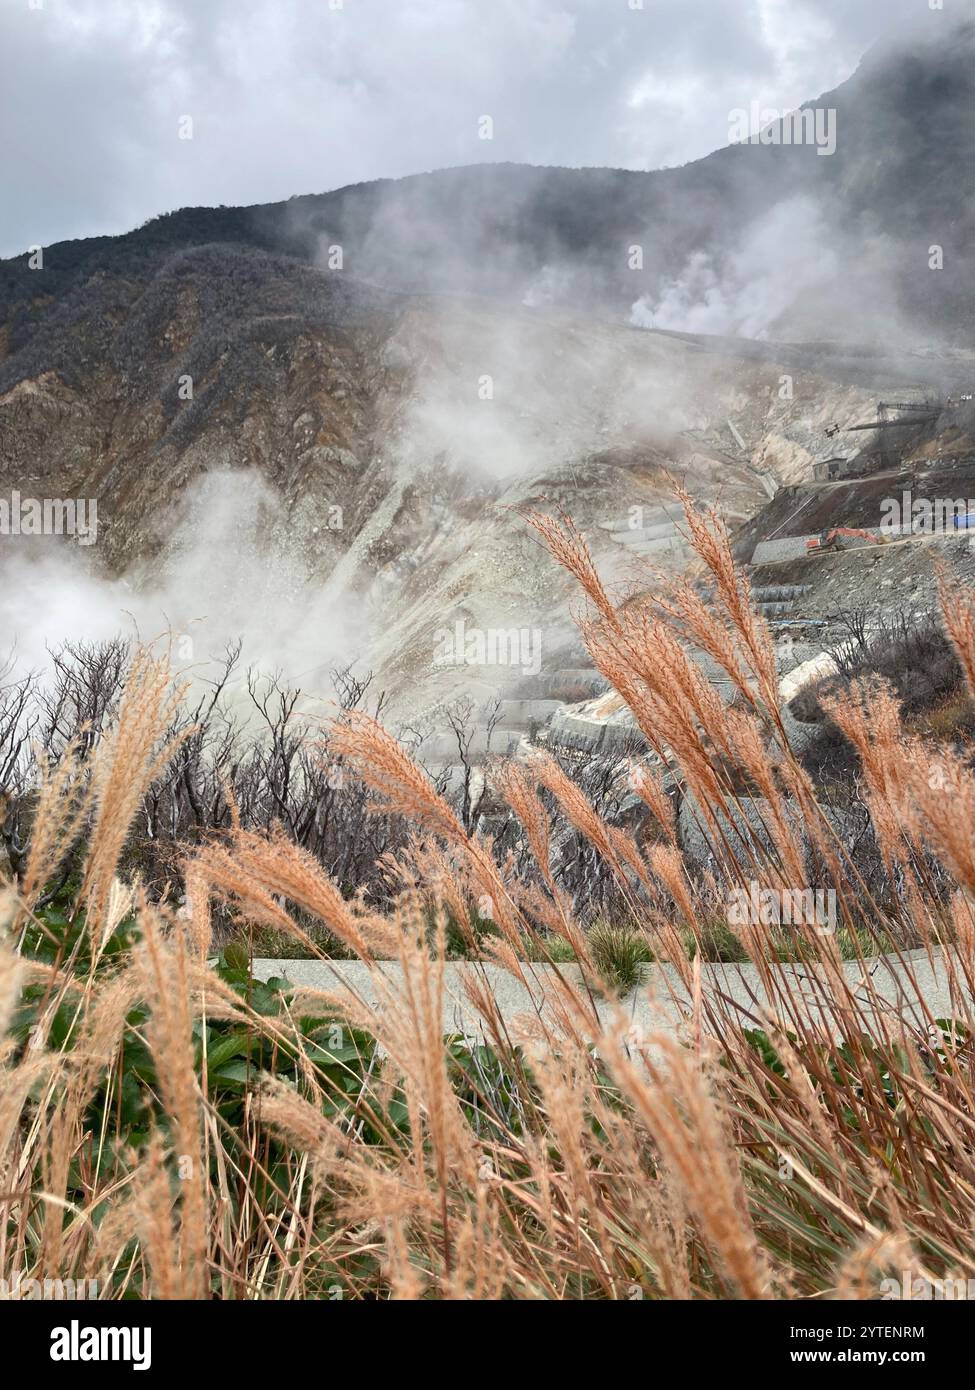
column 502, row 226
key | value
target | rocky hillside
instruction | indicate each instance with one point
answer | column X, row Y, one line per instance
column 234, row 403
column 340, row 446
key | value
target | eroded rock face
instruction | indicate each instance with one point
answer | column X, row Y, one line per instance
column 343, row 446
column 371, row 454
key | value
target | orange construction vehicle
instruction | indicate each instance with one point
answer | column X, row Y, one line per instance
column 833, row 538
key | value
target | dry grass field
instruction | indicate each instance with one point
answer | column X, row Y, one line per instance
column 171, row 1128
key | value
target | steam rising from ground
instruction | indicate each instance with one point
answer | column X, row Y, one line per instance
column 499, row 396
column 783, row 256
column 502, row 366
column 229, row 570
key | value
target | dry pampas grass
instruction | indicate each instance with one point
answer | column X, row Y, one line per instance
column 334, row 1143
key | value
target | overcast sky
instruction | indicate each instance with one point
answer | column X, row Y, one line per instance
column 299, row 96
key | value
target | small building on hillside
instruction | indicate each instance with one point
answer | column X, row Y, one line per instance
column 831, row 469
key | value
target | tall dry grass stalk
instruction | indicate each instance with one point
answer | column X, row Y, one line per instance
column 125, row 764
column 805, row 1143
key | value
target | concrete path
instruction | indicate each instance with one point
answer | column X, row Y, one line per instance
column 659, row 1005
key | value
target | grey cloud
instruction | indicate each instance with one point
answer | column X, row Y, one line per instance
column 294, row 96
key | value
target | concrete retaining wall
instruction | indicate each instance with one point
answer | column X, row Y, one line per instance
column 519, row 714
column 650, row 517
column 788, row 548
column 665, row 545
column 442, row 748
column 578, row 730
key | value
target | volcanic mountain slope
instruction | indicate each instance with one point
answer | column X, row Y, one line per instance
column 286, row 440
column 221, row 357
column 773, row 238
column 342, row 445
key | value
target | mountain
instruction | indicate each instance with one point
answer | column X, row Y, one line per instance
column 333, row 459
column 899, row 181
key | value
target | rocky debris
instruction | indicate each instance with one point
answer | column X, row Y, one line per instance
column 743, row 829
column 895, row 578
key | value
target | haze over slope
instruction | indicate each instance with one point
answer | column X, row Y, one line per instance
column 327, row 459
column 900, row 179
